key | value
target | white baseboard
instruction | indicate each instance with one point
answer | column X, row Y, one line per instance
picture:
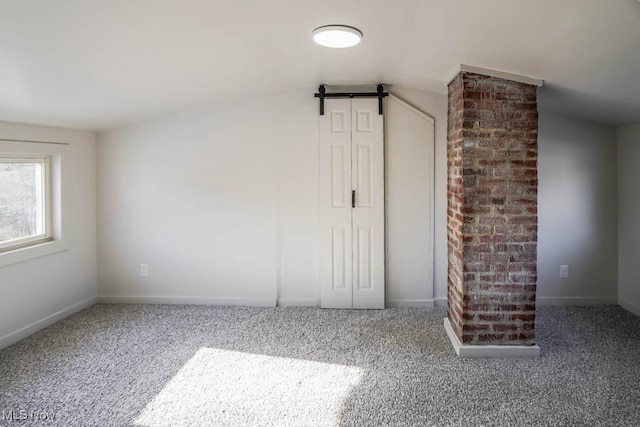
column 298, row 302
column 410, row 303
column 31, row 329
column 633, row 308
column 309, row 302
column 576, row 301
column 440, row 302
column 254, row 302
column 493, row 351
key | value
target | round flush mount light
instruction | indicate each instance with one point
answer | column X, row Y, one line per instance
column 337, row 36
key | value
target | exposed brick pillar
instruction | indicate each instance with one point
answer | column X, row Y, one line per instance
column 492, row 221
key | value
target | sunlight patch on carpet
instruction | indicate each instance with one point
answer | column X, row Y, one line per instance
column 235, row 388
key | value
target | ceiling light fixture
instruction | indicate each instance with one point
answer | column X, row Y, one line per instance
column 337, row 36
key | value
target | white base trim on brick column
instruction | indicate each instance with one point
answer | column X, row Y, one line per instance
column 494, row 351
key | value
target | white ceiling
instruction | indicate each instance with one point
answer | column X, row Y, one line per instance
column 99, row 64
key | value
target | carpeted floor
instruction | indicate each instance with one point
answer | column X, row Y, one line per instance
column 116, row 365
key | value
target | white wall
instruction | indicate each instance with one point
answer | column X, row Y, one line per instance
column 435, row 105
column 220, row 201
column 40, row 291
column 628, row 218
column 298, row 220
column 577, row 205
column 223, row 205
column 577, row 210
column 409, row 185
column 201, row 197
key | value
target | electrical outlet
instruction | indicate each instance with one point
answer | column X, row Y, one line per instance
column 564, row 271
column 144, row 270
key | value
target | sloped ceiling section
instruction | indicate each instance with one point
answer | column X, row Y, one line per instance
column 100, row 64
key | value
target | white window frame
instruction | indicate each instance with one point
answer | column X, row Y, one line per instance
column 45, row 194
column 58, row 214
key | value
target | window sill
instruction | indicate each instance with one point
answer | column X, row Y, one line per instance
column 31, row 252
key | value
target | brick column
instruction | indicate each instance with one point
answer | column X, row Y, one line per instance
column 492, row 221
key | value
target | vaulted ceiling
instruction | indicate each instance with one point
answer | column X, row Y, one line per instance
column 99, row 64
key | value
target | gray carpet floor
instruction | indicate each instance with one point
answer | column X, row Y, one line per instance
column 116, row 365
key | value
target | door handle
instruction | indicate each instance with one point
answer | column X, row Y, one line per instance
column 353, row 198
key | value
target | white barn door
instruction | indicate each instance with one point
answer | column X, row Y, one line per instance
column 336, row 272
column 352, row 204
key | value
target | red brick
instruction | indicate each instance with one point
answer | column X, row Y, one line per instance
column 466, row 327
column 496, row 317
column 492, row 209
column 489, row 338
column 505, row 327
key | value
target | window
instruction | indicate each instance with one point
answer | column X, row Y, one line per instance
column 25, row 201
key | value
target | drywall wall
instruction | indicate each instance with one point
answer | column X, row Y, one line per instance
column 577, row 205
column 628, row 140
column 296, row 151
column 39, row 291
column 221, row 202
column 577, row 214
column 409, row 184
column 194, row 196
column 435, row 105
column 577, row 199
